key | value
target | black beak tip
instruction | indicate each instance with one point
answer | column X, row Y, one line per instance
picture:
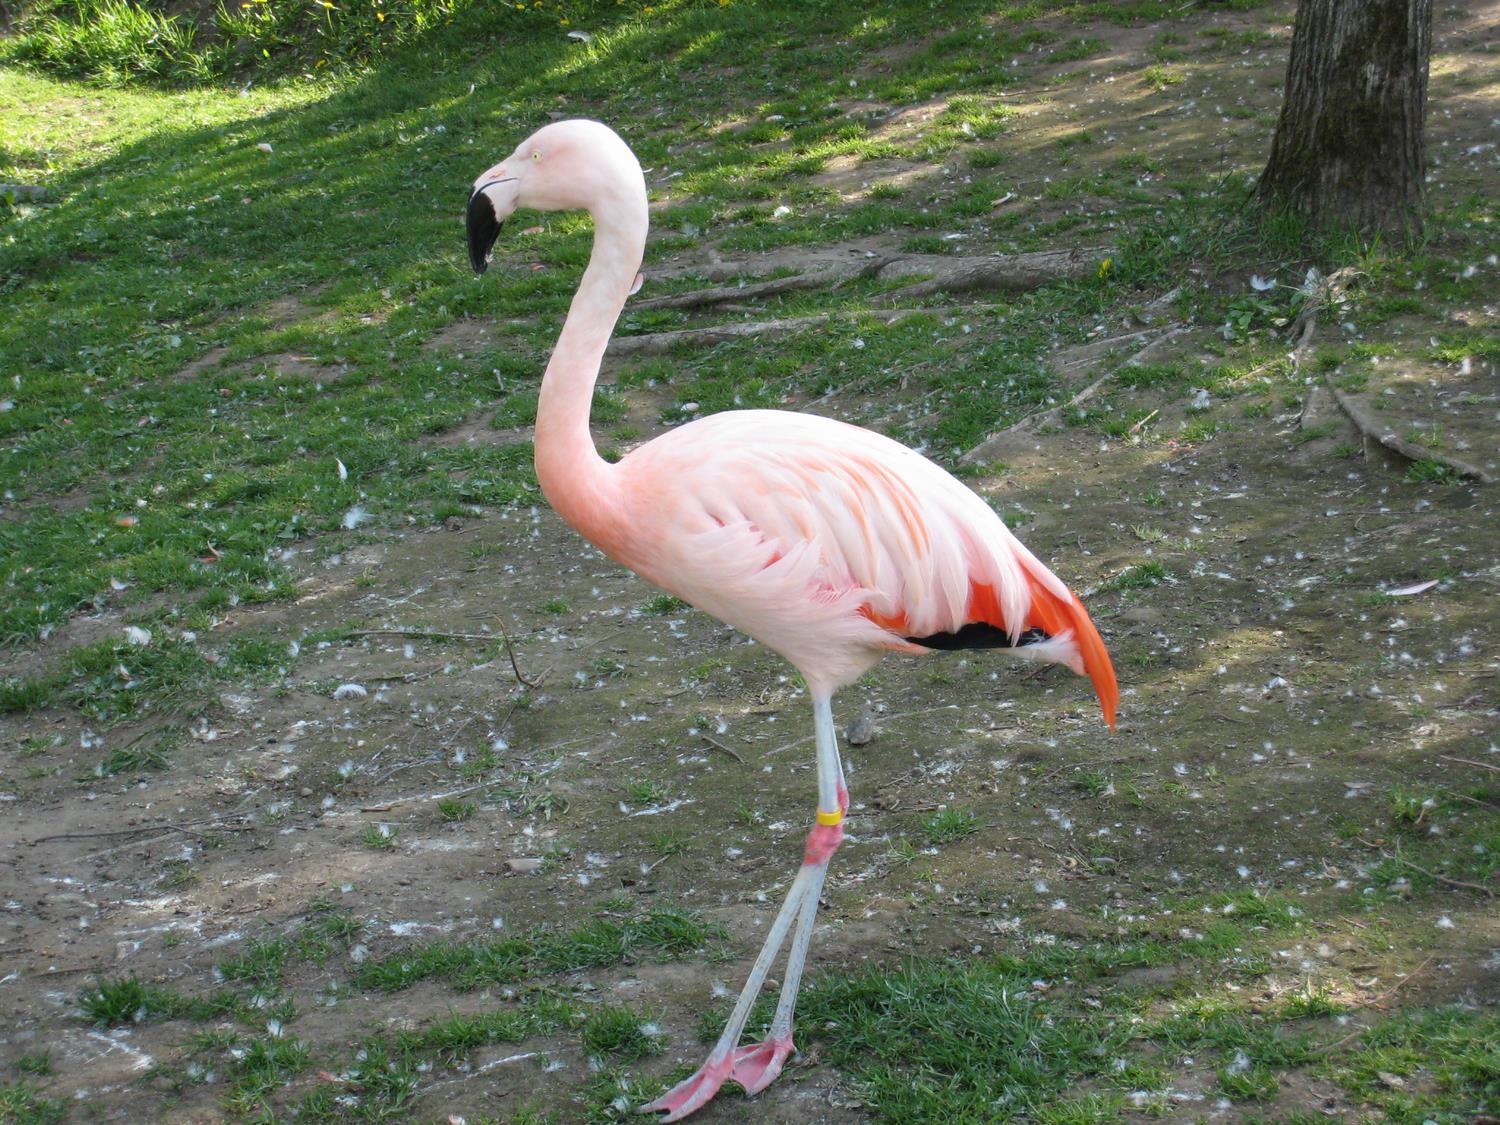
column 483, row 231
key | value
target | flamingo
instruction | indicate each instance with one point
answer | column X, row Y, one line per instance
column 827, row 543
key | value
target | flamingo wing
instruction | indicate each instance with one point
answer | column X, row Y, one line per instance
column 831, row 543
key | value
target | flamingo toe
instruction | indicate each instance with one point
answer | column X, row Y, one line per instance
column 692, row 1093
column 756, row 1065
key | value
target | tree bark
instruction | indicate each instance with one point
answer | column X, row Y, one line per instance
column 1349, row 145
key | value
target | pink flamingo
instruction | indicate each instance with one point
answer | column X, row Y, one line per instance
column 827, row 543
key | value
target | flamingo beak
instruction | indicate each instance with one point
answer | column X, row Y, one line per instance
column 484, row 222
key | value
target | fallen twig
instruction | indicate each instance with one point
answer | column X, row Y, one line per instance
column 1332, row 294
column 1334, row 1046
column 438, row 635
column 510, row 651
column 423, row 635
column 717, row 745
column 1091, row 762
column 140, row 829
column 1403, row 982
column 1469, row 762
column 1401, row 859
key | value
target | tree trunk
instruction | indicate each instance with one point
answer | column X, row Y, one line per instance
column 1349, row 148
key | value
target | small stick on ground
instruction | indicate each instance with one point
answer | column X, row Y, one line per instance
column 437, row 635
column 1091, row 762
column 1469, row 762
column 510, row 651
column 1336, row 1044
column 1457, row 884
column 1331, row 293
column 717, row 745
column 1403, row 982
column 215, row 822
column 422, row 635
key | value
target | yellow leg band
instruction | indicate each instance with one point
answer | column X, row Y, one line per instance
column 830, row 818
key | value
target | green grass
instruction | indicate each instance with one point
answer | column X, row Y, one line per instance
column 947, row 825
column 664, row 604
column 37, row 1063
column 1431, row 472
column 23, row 1104
column 1139, row 577
column 380, row 837
column 116, row 1001
column 619, row 1033
column 468, row 965
column 646, row 792
column 453, row 810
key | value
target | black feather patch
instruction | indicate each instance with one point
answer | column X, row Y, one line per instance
column 978, row 634
column 483, row 230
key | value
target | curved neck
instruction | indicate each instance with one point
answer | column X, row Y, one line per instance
column 575, row 479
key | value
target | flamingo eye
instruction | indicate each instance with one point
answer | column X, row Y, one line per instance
column 536, row 156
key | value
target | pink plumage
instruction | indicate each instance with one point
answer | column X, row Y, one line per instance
column 826, row 542
column 832, row 545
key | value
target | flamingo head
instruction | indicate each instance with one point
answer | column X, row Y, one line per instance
column 565, row 166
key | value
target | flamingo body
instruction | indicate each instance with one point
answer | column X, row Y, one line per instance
column 832, row 544
column 826, row 542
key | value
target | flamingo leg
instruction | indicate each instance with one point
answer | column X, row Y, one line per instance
column 756, row 1065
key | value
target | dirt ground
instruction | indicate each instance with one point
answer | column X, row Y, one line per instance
column 1280, row 683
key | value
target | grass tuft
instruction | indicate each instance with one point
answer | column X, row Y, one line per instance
column 603, row 941
column 946, row 825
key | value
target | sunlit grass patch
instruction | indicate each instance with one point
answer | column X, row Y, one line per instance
column 1457, row 1048
column 928, row 1041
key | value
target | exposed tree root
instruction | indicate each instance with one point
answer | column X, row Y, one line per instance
column 830, row 277
column 1015, row 273
column 1386, row 438
column 1332, row 294
column 1019, row 273
column 659, row 343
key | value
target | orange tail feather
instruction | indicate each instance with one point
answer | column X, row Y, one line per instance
column 1054, row 616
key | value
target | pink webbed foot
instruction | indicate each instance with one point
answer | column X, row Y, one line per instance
column 693, row 1092
column 756, row 1065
